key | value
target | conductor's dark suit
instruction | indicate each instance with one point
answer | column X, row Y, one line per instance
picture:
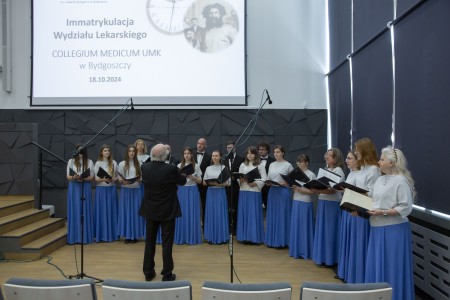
column 206, row 161
column 160, row 207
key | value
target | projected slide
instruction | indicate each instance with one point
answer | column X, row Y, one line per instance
column 159, row 52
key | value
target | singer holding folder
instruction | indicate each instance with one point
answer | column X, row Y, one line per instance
column 301, row 238
column 188, row 229
column 250, row 220
column 359, row 228
column 80, row 171
column 106, row 201
column 389, row 254
column 328, row 219
column 130, row 224
column 216, row 229
column 345, row 237
column 279, row 202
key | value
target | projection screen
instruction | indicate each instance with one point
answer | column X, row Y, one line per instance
column 159, row 52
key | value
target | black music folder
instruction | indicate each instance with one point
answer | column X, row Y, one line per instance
column 250, row 176
column 223, row 177
column 187, row 170
column 354, row 201
column 83, row 175
column 130, row 180
column 103, row 174
column 295, row 177
column 345, row 185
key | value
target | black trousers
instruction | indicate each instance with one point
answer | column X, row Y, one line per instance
column 202, row 190
column 167, row 235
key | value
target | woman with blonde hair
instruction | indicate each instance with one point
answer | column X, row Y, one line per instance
column 389, row 254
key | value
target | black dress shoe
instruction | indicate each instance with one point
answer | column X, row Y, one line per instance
column 133, row 241
column 150, row 277
column 170, row 277
column 127, row 241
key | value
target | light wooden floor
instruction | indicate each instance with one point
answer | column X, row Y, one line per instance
column 253, row 264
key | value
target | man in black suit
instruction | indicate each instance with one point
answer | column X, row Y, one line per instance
column 160, row 207
column 266, row 160
column 203, row 159
column 171, row 159
column 233, row 162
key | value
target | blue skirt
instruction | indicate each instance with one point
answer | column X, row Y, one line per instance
column 105, row 213
column 130, row 224
column 188, row 228
column 278, row 217
column 357, row 251
column 389, row 259
column 344, row 245
column 326, row 236
column 302, row 230
column 250, row 221
column 74, row 213
column 216, row 229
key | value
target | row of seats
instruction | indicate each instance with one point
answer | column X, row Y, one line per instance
column 84, row 289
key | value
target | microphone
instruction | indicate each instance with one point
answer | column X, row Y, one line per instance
column 132, row 106
column 76, row 152
column 268, row 97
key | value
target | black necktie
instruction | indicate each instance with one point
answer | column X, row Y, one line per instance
column 200, row 153
column 263, row 158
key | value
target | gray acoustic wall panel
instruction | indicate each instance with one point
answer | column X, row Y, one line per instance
column 18, row 162
column 299, row 131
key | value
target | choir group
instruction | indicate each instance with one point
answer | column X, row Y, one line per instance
column 377, row 249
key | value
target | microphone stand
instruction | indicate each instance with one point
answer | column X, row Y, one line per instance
column 82, row 197
column 223, row 161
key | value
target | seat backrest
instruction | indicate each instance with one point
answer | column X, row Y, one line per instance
column 45, row 289
column 136, row 290
column 235, row 291
column 337, row 291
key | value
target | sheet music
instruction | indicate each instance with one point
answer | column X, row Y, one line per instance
column 356, row 199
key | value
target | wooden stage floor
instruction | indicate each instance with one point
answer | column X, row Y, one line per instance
column 252, row 264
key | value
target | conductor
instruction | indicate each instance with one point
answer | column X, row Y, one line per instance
column 160, row 207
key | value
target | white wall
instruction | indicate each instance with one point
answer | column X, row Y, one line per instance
column 286, row 54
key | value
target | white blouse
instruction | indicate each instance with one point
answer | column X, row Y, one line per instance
column 278, row 167
column 130, row 174
column 336, row 196
column 367, row 177
column 244, row 169
column 197, row 173
column 104, row 165
column 392, row 191
column 212, row 172
column 304, row 197
column 71, row 165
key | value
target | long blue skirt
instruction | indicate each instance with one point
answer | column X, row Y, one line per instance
column 326, row 236
column 357, row 252
column 250, row 218
column 105, row 213
column 278, row 217
column 344, row 245
column 216, row 229
column 74, row 210
column 130, row 224
column 389, row 259
column 188, row 228
column 302, row 230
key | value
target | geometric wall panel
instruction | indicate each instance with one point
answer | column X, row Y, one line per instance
column 299, row 131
